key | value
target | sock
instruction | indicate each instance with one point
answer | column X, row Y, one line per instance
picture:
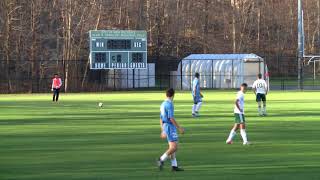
column 231, row 135
column 259, row 109
column 174, row 162
column 164, row 157
column 244, row 135
column 264, row 109
column 198, row 106
column 194, row 109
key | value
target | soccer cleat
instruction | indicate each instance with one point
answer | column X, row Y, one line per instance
column 197, row 114
column 247, row 143
column 194, row 115
column 174, row 168
column 160, row 164
column 229, row 142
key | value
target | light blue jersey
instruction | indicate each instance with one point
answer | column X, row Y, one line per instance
column 166, row 111
column 196, row 86
column 196, row 95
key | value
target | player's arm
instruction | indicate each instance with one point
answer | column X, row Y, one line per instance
column 266, row 88
column 161, row 125
column 254, row 88
column 201, row 95
column 174, row 122
column 238, row 106
column 60, row 82
column 52, row 85
column 162, row 134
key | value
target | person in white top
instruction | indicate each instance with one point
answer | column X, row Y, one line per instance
column 260, row 89
column 240, row 122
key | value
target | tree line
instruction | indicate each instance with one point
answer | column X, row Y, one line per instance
column 40, row 36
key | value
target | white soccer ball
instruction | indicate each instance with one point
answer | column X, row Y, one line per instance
column 100, row 104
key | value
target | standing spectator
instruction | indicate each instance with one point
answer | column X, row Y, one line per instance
column 56, row 85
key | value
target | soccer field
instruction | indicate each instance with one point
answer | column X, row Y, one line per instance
column 74, row 139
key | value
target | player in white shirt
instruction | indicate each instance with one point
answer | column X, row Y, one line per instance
column 260, row 89
column 197, row 96
column 240, row 122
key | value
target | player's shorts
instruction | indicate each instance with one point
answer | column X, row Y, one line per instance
column 171, row 131
column 260, row 97
column 197, row 99
column 239, row 118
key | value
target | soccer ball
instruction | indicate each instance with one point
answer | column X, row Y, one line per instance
column 100, row 104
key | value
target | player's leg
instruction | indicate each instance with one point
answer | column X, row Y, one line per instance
column 243, row 131
column 57, row 94
column 172, row 137
column 170, row 153
column 173, row 158
column 233, row 133
column 171, row 150
column 258, row 99
column 264, row 100
column 174, row 163
column 199, row 104
column 54, row 95
column 194, row 107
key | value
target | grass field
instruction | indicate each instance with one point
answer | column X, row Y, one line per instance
column 74, row 139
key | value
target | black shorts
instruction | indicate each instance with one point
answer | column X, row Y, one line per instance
column 261, row 97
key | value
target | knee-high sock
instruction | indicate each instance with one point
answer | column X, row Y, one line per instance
column 244, row 135
column 174, row 162
column 194, row 108
column 198, row 106
column 231, row 135
column 259, row 109
column 164, row 157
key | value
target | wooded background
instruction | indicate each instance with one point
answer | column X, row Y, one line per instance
column 42, row 37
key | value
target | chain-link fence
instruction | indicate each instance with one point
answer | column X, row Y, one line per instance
column 36, row 76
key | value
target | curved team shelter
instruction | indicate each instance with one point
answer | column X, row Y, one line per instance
column 220, row 71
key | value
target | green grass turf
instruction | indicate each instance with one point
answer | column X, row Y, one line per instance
column 74, row 139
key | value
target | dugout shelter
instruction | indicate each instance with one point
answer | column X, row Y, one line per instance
column 219, row 71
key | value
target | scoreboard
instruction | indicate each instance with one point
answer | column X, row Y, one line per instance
column 118, row 49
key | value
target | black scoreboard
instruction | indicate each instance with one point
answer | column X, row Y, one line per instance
column 118, row 49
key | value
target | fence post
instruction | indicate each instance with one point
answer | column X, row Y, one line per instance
column 181, row 74
column 114, row 79
column 232, row 73
column 127, row 79
column 148, row 75
column 133, row 79
column 190, row 76
column 211, row 73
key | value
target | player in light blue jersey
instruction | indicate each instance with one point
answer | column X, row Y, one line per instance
column 169, row 127
column 197, row 96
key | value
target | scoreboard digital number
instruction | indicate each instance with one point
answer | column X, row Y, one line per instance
column 118, row 49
